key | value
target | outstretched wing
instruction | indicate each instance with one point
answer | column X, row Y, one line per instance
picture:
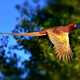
column 61, row 45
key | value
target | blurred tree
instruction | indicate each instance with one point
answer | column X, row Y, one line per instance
column 9, row 60
column 43, row 64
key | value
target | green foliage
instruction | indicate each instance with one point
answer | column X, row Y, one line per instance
column 43, row 64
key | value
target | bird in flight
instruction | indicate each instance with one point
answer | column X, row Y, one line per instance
column 59, row 37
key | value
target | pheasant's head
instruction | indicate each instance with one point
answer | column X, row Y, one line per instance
column 72, row 26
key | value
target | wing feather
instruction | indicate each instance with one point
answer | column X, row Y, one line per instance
column 61, row 45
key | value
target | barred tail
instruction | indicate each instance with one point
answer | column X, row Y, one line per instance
column 41, row 33
column 6, row 33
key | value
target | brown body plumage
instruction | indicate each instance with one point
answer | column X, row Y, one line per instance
column 59, row 36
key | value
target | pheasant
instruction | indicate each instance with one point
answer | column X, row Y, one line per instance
column 59, row 37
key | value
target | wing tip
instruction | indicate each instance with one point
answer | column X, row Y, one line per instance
column 64, row 57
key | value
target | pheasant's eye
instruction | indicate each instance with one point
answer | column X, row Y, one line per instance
column 75, row 26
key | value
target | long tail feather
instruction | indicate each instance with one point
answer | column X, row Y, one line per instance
column 5, row 33
column 26, row 34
